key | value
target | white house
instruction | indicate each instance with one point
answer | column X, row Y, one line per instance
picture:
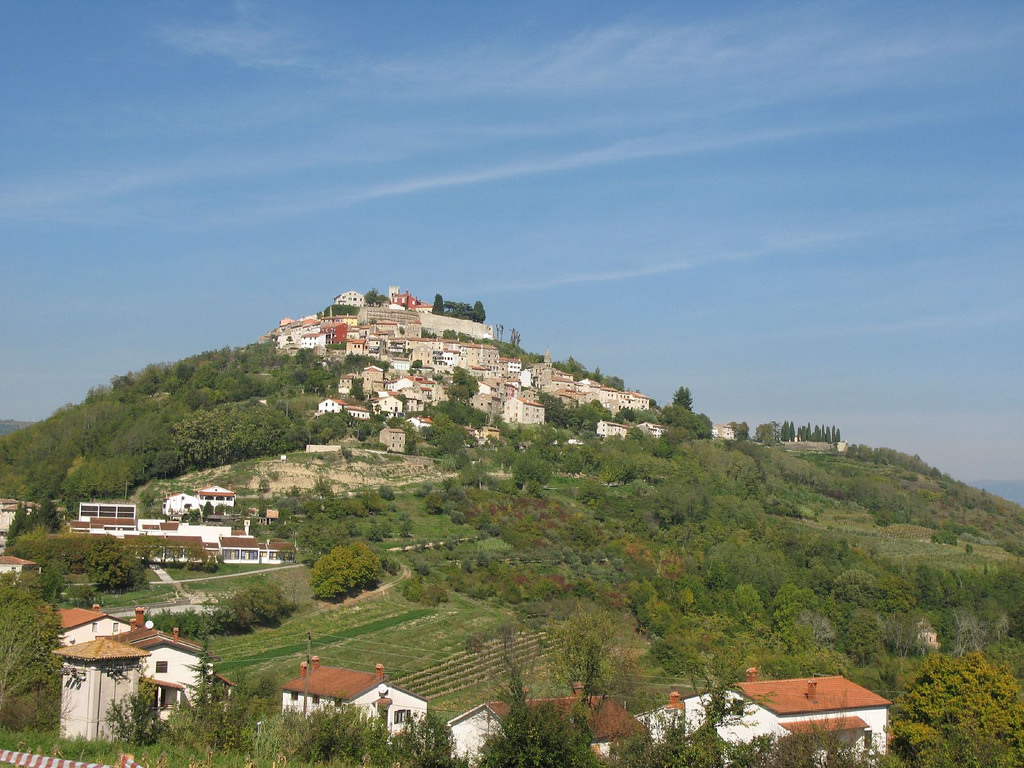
column 351, row 299
column 388, row 403
column 781, row 707
column 180, row 504
column 611, row 429
column 723, row 432
column 520, row 411
column 95, row 675
column 659, row 720
column 12, row 564
column 330, row 405
column 419, row 423
column 652, row 429
column 370, row 691
column 217, row 496
column 81, row 625
column 172, row 663
column 607, row 719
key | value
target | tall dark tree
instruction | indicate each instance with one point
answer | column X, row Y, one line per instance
column 478, row 311
column 683, row 398
column 438, row 304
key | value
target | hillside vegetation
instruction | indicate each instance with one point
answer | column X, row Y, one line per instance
column 710, row 555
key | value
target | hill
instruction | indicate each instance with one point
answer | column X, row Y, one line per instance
column 720, row 554
column 10, row 425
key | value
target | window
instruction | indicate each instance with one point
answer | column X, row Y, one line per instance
column 401, row 716
column 316, row 698
column 117, row 627
column 161, row 667
column 95, row 626
column 294, row 696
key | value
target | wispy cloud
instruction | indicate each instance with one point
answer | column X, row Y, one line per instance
column 791, row 245
column 764, row 55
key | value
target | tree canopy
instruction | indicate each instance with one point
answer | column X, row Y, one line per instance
column 345, row 569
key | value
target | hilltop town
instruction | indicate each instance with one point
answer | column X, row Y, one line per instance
column 385, row 518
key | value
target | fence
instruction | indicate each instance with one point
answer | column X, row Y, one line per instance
column 28, row 760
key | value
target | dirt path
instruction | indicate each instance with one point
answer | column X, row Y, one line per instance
column 403, row 574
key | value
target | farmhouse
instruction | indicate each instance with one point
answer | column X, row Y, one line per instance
column 319, row 686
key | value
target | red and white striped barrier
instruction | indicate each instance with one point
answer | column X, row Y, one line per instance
column 28, row 760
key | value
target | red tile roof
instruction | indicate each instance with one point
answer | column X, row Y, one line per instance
column 151, row 638
column 607, row 718
column 76, row 617
column 12, row 560
column 830, row 694
column 336, row 682
column 239, row 542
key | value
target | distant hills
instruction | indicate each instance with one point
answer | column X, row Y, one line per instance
column 10, row 425
column 1008, row 489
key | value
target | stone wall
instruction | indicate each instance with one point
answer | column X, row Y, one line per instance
column 436, row 324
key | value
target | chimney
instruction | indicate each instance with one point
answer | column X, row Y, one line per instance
column 140, row 618
column 673, row 700
column 316, row 663
column 380, row 671
column 577, row 689
column 751, row 674
column 95, row 606
column 302, row 669
column 812, row 688
column 175, row 634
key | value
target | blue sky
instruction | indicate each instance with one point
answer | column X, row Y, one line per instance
column 807, row 212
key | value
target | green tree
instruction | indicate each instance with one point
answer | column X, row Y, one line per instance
column 261, row 604
column 133, row 719
column 683, row 398
column 29, row 672
column 110, row 564
column 766, row 433
column 438, row 305
column 962, row 711
column 374, row 298
column 587, row 652
column 478, row 311
column 463, row 386
column 343, row 570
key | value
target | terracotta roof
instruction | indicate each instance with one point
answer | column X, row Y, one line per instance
column 847, row 723
column 101, row 648
column 151, row 638
column 280, row 546
column 607, row 718
column 830, row 694
column 76, row 617
column 337, row 682
column 12, row 560
column 164, row 683
column 241, row 542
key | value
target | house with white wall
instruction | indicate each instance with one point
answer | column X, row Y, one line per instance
column 518, row 410
column 180, row 504
column 608, row 721
column 172, row 663
column 12, row 564
column 81, row 625
column 319, row 686
column 611, row 429
column 216, row 496
column 350, row 299
column 778, row 708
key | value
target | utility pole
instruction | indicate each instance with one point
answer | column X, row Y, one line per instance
column 309, row 671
